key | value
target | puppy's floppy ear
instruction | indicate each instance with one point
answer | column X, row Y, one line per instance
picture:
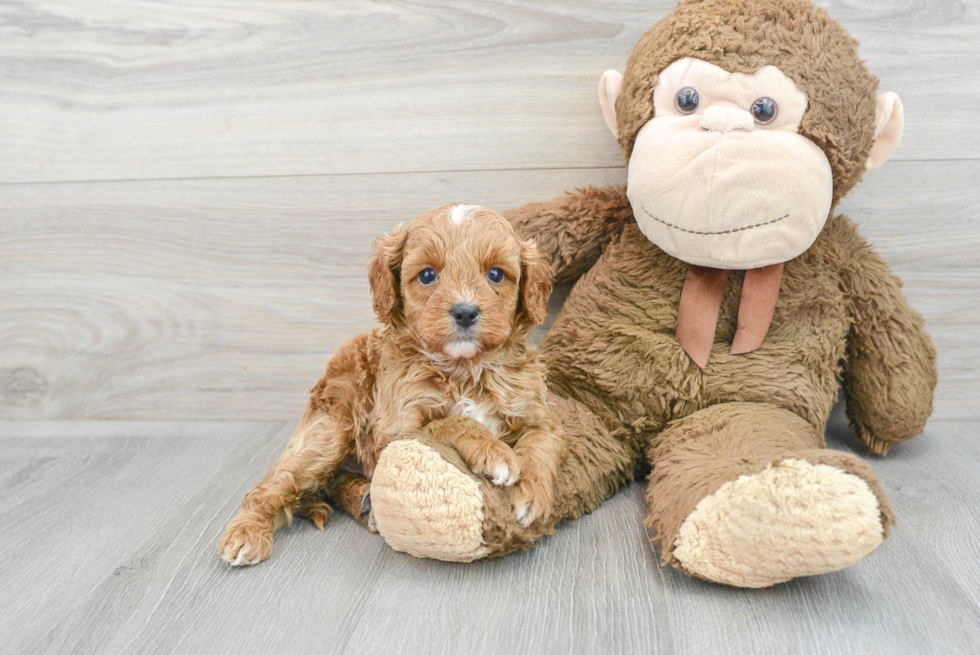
column 384, row 274
column 536, row 282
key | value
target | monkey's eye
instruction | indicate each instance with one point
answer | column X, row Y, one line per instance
column 687, row 100
column 764, row 110
column 428, row 276
column 495, row 275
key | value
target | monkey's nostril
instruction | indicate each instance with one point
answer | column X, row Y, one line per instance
column 465, row 315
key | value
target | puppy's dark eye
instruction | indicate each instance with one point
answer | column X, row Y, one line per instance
column 428, row 276
column 495, row 275
column 687, row 100
column 764, row 110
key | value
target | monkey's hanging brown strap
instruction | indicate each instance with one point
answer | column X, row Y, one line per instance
column 704, row 289
column 760, row 290
column 697, row 315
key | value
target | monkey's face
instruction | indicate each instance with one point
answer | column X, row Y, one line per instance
column 720, row 176
column 734, row 163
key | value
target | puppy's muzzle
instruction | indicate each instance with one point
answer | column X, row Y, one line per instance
column 465, row 315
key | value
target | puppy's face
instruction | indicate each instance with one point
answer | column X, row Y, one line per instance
column 460, row 280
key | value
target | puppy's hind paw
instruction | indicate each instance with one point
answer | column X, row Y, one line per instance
column 367, row 514
column 315, row 510
column 246, row 542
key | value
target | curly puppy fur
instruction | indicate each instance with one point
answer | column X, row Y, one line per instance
column 473, row 383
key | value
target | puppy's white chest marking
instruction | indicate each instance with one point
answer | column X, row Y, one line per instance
column 484, row 413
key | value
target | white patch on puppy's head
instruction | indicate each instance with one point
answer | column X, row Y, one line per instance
column 461, row 213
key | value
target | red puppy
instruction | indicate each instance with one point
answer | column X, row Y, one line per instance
column 457, row 293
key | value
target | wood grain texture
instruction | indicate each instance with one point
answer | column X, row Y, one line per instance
column 202, row 299
column 109, row 546
column 209, row 296
column 220, row 299
column 123, row 89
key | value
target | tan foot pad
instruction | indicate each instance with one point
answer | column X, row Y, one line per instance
column 790, row 520
column 426, row 506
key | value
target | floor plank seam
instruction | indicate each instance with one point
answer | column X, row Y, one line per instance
column 459, row 171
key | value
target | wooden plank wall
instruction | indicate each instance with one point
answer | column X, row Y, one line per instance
column 189, row 189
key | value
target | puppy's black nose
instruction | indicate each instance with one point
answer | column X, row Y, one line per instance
column 465, row 315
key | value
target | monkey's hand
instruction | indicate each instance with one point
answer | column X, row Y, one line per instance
column 891, row 369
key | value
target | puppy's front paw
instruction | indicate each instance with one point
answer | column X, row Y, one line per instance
column 504, row 475
column 246, row 541
column 532, row 499
column 495, row 460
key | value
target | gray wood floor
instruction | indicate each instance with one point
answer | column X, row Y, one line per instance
column 109, row 533
column 188, row 194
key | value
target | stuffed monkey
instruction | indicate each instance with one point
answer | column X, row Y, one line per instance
column 719, row 304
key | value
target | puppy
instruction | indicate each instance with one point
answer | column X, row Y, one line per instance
column 457, row 293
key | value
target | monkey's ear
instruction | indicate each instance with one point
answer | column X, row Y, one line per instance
column 384, row 274
column 536, row 283
column 610, row 86
column 889, row 122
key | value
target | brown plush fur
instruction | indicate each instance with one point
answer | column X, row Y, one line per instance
column 409, row 379
column 627, row 393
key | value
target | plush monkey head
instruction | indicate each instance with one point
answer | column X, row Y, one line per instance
column 743, row 123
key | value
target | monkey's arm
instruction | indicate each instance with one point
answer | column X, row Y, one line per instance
column 890, row 374
column 574, row 229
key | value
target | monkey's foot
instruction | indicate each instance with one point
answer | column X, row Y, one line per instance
column 427, row 502
column 794, row 518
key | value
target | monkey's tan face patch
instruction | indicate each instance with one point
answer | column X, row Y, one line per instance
column 717, row 183
column 717, row 87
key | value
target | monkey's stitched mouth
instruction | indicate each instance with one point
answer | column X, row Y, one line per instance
column 708, row 234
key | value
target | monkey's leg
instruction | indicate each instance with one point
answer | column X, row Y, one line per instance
column 314, row 454
column 746, row 494
column 427, row 502
column 351, row 493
